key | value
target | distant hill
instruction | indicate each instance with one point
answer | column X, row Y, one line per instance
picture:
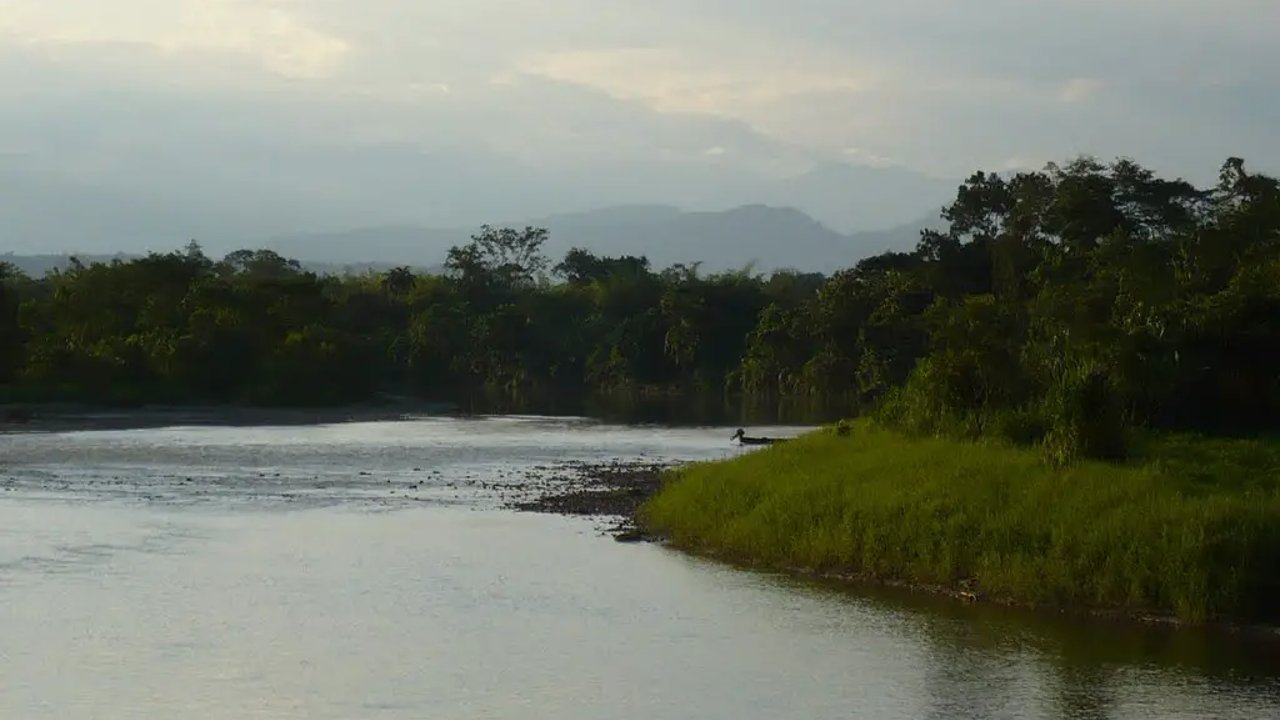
column 39, row 265
column 767, row 237
column 149, row 199
column 409, row 207
column 853, row 198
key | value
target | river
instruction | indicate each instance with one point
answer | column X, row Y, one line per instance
column 369, row 570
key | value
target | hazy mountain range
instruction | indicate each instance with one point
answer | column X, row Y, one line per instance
column 763, row 237
column 160, row 197
column 388, row 208
column 766, row 237
column 38, row 265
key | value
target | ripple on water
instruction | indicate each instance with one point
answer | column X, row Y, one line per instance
column 366, row 570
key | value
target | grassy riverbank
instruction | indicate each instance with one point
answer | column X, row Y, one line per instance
column 1190, row 528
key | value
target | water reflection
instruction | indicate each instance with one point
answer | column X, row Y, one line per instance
column 1083, row 693
column 985, row 661
column 673, row 409
column 124, row 598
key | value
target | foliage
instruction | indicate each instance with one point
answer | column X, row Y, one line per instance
column 1190, row 527
column 500, row 257
column 1073, row 303
column 1059, row 308
column 1083, row 415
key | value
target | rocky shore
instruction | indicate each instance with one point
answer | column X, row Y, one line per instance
column 614, row 491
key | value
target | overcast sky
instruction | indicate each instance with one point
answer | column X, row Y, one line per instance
column 529, row 97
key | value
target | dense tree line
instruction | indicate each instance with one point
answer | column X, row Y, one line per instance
column 1064, row 304
column 256, row 328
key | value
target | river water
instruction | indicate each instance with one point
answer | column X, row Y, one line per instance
column 368, row 570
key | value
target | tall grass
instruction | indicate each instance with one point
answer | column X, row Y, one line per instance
column 1189, row 526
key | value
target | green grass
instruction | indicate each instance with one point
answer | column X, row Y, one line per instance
column 1191, row 527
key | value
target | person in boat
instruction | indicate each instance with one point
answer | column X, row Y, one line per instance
column 742, row 437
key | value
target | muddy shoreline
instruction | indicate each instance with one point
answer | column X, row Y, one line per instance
column 611, row 491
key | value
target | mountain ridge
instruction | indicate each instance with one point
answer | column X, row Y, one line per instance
column 771, row 237
column 766, row 237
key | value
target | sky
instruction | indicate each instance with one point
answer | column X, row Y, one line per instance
column 323, row 113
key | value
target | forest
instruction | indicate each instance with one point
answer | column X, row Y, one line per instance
column 1063, row 307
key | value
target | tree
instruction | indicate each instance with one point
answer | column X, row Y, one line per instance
column 507, row 257
column 1080, row 290
column 12, row 337
column 398, row 281
column 260, row 264
column 581, row 267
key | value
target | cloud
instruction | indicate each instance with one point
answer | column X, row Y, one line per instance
column 515, row 105
column 1023, row 164
column 678, row 81
column 870, row 159
column 265, row 31
column 1078, row 90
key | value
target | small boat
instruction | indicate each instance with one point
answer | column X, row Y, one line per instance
column 742, row 437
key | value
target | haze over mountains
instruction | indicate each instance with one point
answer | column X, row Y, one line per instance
column 136, row 125
column 766, row 238
column 823, row 219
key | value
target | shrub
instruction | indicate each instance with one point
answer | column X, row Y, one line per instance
column 1085, row 414
column 919, row 406
column 1026, row 426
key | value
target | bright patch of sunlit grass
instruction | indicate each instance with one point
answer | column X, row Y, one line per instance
column 1191, row 527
